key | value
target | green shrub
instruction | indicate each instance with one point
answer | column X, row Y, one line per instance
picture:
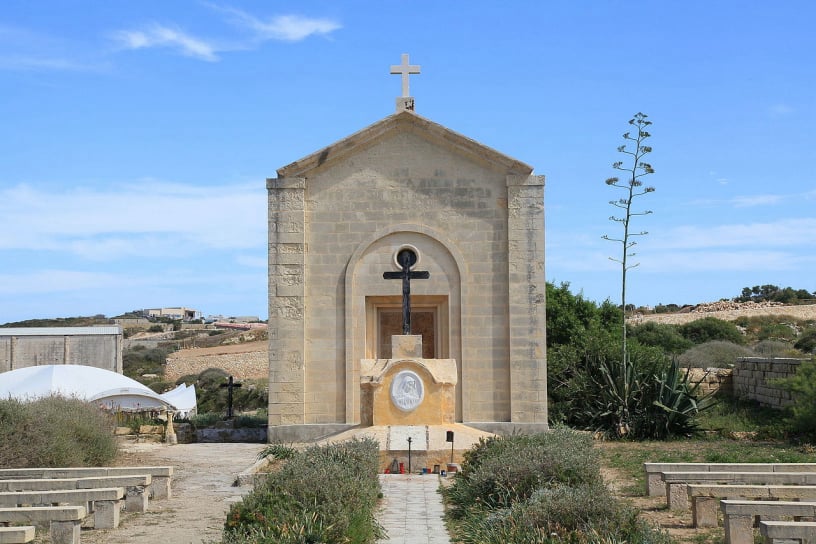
column 716, row 354
column 498, row 497
column 802, row 386
column 277, row 451
column 337, row 503
column 205, row 419
column 500, row 471
column 252, row 395
column 54, row 432
column 711, row 328
column 160, row 386
column 772, row 348
column 734, row 415
column 139, row 360
column 250, row 421
column 661, row 335
column 640, row 401
column 806, row 341
column 777, row 331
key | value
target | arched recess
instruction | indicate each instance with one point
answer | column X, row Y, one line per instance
column 364, row 281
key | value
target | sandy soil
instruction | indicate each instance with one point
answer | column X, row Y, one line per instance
column 677, row 523
column 202, row 493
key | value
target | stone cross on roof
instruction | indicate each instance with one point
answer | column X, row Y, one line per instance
column 405, row 70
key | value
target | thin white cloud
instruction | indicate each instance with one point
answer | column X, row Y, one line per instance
column 55, row 281
column 156, row 35
column 24, row 50
column 289, row 28
column 756, row 200
column 150, row 219
column 785, row 232
column 749, row 201
column 723, row 261
column 32, row 63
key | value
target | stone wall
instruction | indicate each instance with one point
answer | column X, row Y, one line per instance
column 797, row 312
column 752, row 377
column 711, row 380
column 250, row 365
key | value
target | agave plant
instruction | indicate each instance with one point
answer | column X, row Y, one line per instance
column 677, row 404
column 633, row 401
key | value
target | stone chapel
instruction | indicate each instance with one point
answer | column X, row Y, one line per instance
column 406, row 195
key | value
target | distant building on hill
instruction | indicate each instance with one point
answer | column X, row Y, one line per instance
column 232, row 319
column 184, row 314
column 99, row 347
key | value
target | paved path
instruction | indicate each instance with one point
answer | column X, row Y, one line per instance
column 412, row 509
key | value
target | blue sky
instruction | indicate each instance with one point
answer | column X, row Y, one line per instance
column 137, row 136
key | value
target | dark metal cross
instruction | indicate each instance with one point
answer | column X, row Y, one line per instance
column 230, row 385
column 406, row 259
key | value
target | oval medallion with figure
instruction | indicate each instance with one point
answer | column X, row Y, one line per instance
column 407, row 390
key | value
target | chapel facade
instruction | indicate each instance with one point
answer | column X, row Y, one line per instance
column 473, row 219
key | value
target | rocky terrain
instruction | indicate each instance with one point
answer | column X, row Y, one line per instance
column 730, row 311
column 242, row 360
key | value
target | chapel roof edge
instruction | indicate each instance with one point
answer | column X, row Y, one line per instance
column 445, row 136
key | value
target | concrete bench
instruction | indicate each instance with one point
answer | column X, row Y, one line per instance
column 16, row 535
column 803, row 531
column 655, row 486
column 705, row 499
column 105, row 503
column 677, row 482
column 160, row 487
column 738, row 516
column 64, row 522
column 136, row 487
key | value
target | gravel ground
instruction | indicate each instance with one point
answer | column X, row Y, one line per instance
column 202, row 494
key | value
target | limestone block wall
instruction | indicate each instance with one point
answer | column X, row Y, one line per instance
column 712, row 380
column 253, row 365
column 336, row 219
column 752, row 377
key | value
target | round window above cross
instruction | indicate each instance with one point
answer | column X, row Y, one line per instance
column 407, row 256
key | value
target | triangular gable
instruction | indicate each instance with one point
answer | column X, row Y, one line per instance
column 405, row 120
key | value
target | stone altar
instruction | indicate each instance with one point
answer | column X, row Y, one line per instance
column 408, row 389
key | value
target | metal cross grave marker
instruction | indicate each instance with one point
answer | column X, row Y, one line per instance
column 405, row 70
column 406, row 259
column 230, row 385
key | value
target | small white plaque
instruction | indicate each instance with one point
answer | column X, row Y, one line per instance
column 407, row 390
column 398, row 436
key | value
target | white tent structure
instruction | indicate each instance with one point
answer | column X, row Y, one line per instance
column 107, row 389
column 183, row 398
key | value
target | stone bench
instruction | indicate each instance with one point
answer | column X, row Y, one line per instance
column 16, row 535
column 64, row 522
column 677, row 482
column 105, row 503
column 803, row 531
column 738, row 516
column 655, row 486
column 160, row 487
column 136, row 487
column 705, row 499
